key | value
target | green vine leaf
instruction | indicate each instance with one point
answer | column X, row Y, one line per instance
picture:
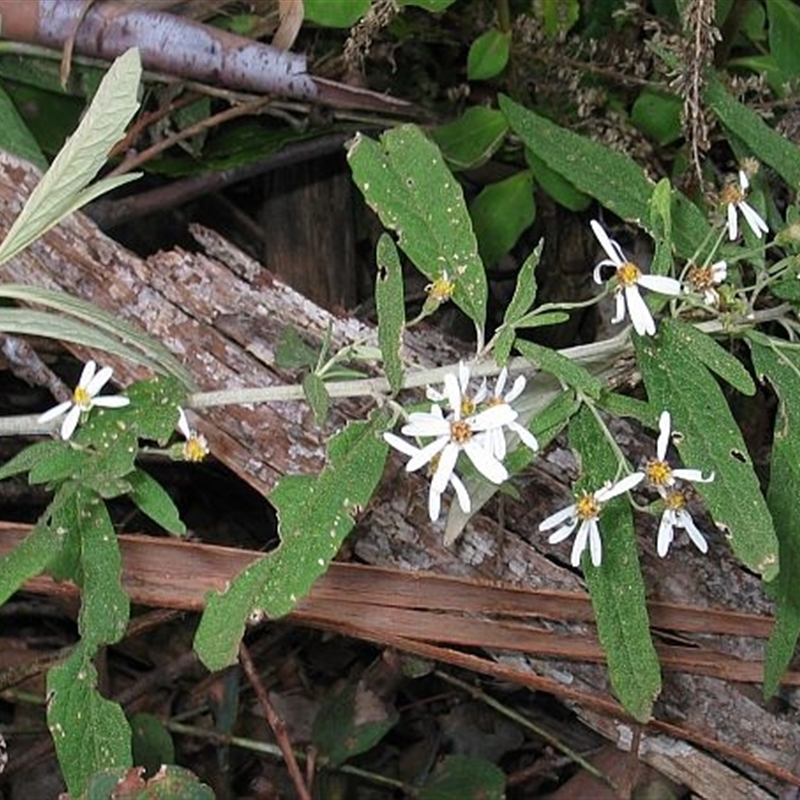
column 405, row 181
column 616, row 586
column 390, row 303
column 315, row 516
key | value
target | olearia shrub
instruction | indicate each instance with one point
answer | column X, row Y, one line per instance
column 716, row 297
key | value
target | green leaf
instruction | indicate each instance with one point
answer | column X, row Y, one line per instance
column 565, row 369
column 390, row 303
column 153, row 410
column 472, row 139
column 767, row 144
column 405, row 181
column 434, row 6
column 152, row 743
column 105, row 608
column 134, row 343
column 523, row 299
column 351, row 721
column 81, row 157
column 677, row 381
column 315, row 516
column 28, row 559
column 32, row 455
column 63, row 463
column 500, row 213
column 612, row 178
column 658, row 115
column 317, row 396
column 14, row 134
column 291, row 352
column 154, row 501
column 488, row 55
column 537, row 319
column 335, row 13
column 170, row 783
column 784, row 34
column 714, row 356
column 556, row 185
column 781, row 367
column 559, row 16
column 616, row 586
column 90, row 733
column 464, row 778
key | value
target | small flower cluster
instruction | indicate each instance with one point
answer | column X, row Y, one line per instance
column 460, row 422
column 584, row 513
column 86, row 396
column 700, row 280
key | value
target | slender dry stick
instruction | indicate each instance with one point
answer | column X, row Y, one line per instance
column 275, row 722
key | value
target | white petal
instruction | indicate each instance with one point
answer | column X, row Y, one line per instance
column 421, row 423
column 427, row 453
column 744, row 181
column 527, row 438
column 55, row 411
column 753, row 219
column 687, row 523
column 463, row 377
column 516, row 389
column 434, row 395
column 595, row 545
column 719, row 271
column 579, row 545
column 444, row 469
column 619, row 310
column 693, row 475
column 434, row 504
column 501, row 382
column 564, row 532
column 665, row 533
column 98, row 381
column 612, row 249
column 70, row 422
column 186, row 431
column 485, row 462
column 494, row 417
column 453, row 392
column 556, row 519
column 481, row 394
column 111, row 401
column 495, row 442
column 664, row 422
column 661, row 284
column 406, row 448
column 620, row 487
column 87, row 373
column 461, row 493
column 733, row 222
column 642, row 319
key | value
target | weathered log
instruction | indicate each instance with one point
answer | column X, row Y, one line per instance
column 222, row 316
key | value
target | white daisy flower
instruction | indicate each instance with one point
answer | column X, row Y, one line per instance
column 733, row 196
column 84, row 398
column 457, row 433
column 468, row 404
column 702, row 280
column 629, row 279
column 658, row 472
column 434, row 497
column 583, row 514
column 195, row 448
column 676, row 516
column 495, row 438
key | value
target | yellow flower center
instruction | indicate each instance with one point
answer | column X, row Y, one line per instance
column 195, row 448
column 82, row 398
column 659, row 473
column 460, row 432
column 441, row 290
column 732, row 194
column 700, row 278
column 628, row 274
column 467, row 407
column 587, row 507
column 675, row 500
